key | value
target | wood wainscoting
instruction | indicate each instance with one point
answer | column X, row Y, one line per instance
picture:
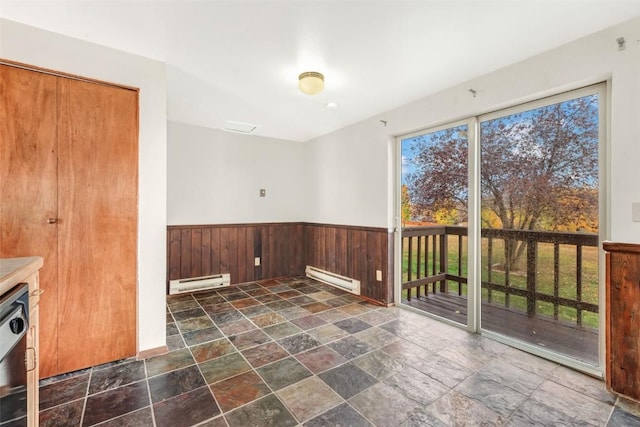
column 623, row 323
column 202, row 250
column 284, row 250
column 355, row 252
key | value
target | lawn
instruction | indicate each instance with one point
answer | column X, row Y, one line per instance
column 544, row 273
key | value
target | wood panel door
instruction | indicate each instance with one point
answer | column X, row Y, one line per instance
column 28, row 187
column 97, row 230
column 68, row 192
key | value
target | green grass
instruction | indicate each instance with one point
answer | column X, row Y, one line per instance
column 518, row 279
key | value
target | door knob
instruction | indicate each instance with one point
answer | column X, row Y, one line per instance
column 52, row 220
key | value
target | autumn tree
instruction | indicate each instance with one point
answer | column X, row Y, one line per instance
column 405, row 200
column 539, row 169
column 439, row 182
column 577, row 210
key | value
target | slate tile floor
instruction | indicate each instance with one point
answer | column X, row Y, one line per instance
column 296, row 352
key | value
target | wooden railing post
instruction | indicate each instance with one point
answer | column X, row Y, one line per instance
column 434, row 252
column 556, row 279
column 579, row 284
column 418, row 264
column 409, row 266
column 459, row 263
column 507, row 269
column 489, row 268
column 444, row 260
column 532, row 260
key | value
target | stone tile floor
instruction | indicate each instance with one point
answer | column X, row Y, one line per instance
column 297, row 352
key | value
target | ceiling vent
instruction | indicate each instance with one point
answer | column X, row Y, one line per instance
column 238, row 127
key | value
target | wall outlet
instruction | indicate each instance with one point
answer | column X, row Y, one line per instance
column 379, row 275
column 256, row 261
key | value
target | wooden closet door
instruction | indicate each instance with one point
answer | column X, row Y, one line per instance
column 97, row 231
column 28, row 187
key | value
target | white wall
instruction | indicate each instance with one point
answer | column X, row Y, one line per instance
column 41, row 48
column 214, row 177
column 347, row 176
column 352, row 165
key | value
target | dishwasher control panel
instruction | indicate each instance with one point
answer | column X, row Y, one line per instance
column 14, row 315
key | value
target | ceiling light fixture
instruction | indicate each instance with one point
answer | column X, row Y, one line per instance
column 311, row 82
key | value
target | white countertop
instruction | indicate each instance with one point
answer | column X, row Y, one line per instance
column 14, row 270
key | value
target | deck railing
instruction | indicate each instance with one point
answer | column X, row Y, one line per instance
column 434, row 263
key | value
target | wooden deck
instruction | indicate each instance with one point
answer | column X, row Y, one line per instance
column 578, row 342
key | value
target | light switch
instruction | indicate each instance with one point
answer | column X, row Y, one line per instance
column 256, row 261
column 635, row 212
column 379, row 275
column 263, row 192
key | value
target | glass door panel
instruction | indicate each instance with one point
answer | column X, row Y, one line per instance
column 539, row 215
column 434, row 213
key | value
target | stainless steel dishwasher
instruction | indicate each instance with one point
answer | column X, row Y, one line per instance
column 14, row 323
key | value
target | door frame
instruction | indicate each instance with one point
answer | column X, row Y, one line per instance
column 473, row 230
column 474, row 292
column 601, row 89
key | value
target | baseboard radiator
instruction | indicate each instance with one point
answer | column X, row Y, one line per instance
column 195, row 284
column 344, row 283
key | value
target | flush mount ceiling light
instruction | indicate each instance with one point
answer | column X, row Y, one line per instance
column 311, row 82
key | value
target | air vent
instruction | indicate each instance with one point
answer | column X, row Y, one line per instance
column 239, row 127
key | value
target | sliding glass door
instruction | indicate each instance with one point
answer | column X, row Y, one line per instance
column 509, row 246
column 539, row 175
column 434, row 214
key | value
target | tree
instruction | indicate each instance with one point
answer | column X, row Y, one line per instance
column 536, row 168
column 405, row 200
column 577, row 210
column 447, row 216
column 440, row 178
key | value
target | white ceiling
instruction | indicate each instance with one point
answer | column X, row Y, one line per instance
column 239, row 60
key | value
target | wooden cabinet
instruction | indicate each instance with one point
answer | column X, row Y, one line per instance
column 623, row 319
column 68, row 191
column 33, row 348
column 25, row 270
